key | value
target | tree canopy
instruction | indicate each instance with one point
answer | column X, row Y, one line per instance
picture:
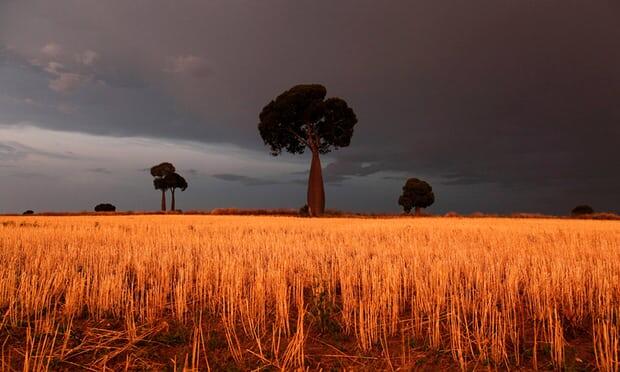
column 302, row 118
column 416, row 194
column 160, row 184
column 175, row 181
column 162, row 169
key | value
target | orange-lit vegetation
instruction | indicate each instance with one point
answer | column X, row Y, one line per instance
column 212, row 292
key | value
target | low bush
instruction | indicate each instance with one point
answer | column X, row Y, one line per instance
column 581, row 210
column 105, row 207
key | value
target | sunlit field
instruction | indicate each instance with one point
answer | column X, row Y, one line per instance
column 240, row 293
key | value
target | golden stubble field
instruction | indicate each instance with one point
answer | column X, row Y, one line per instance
column 222, row 292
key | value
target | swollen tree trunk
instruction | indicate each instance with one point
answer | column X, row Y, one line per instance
column 172, row 206
column 163, row 200
column 316, row 192
column 417, row 211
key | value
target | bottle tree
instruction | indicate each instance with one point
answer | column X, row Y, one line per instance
column 300, row 119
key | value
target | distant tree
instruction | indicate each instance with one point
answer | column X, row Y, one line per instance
column 28, row 212
column 301, row 118
column 105, row 207
column 160, row 171
column 416, row 194
column 581, row 210
column 174, row 181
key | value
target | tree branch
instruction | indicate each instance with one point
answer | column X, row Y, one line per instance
column 300, row 138
column 313, row 140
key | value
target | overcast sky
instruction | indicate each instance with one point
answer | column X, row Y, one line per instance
column 502, row 106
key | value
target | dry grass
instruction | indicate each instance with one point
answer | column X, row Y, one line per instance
column 213, row 292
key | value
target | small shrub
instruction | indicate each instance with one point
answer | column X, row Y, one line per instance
column 581, row 210
column 105, row 207
column 451, row 214
column 304, row 211
column 28, row 212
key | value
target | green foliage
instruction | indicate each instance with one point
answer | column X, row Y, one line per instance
column 416, row 194
column 302, row 118
column 174, row 181
column 160, row 172
column 160, row 184
column 162, row 169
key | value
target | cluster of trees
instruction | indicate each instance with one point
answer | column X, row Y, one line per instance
column 301, row 119
column 166, row 178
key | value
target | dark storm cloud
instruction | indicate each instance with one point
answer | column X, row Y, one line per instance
column 522, row 96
